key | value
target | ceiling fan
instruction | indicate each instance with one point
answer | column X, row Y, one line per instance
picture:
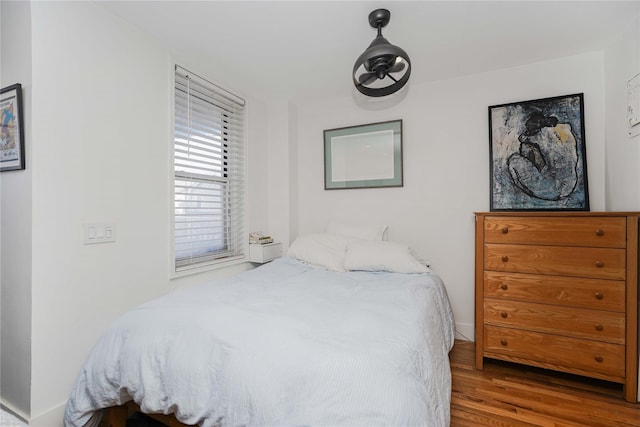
column 382, row 69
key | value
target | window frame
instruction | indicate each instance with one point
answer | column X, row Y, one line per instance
column 209, row 263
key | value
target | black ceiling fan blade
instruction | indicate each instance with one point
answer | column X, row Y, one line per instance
column 398, row 66
column 367, row 78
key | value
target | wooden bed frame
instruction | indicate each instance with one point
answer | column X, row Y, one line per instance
column 116, row 416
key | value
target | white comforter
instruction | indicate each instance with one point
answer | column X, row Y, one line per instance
column 284, row 344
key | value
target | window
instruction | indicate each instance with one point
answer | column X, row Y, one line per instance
column 209, row 173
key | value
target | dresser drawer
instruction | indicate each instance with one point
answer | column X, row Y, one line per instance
column 598, row 294
column 601, row 263
column 578, row 231
column 556, row 352
column 605, row 326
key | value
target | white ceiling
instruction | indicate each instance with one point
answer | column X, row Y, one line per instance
column 302, row 49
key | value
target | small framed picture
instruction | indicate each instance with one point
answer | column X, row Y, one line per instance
column 12, row 130
column 364, row 156
column 538, row 158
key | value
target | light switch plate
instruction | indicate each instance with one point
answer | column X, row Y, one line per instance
column 98, row 232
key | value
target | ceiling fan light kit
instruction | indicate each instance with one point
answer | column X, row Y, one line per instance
column 382, row 69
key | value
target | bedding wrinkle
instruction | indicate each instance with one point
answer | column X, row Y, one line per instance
column 283, row 344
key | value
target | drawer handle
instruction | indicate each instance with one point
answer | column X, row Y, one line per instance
column 503, row 341
column 505, row 258
column 505, row 230
column 599, row 232
column 599, row 295
column 599, row 264
column 504, row 314
column 599, row 327
column 599, row 358
column 504, row 286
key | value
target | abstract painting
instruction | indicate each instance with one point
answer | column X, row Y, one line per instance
column 538, row 156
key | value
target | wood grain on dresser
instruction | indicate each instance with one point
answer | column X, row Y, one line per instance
column 559, row 290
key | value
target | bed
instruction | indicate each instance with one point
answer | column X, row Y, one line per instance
column 341, row 332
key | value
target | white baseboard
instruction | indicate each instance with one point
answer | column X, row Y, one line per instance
column 53, row 417
column 465, row 331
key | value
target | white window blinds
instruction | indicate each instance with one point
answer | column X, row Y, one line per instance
column 209, row 170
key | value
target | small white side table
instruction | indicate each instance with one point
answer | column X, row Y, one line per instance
column 264, row 253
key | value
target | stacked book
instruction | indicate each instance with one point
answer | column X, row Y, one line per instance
column 261, row 240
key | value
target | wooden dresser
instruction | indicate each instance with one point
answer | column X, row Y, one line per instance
column 559, row 290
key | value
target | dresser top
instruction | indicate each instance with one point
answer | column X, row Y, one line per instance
column 556, row 213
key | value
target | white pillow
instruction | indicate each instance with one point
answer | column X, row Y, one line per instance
column 320, row 250
column 358, row 231
column 370, row 255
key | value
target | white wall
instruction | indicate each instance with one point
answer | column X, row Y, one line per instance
column 281, row 208
column 100, row 126
column 446, row 162
column 15, row 211
column 101, row 152
column 622, row 62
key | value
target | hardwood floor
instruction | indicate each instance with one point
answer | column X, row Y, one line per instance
column 511, row 395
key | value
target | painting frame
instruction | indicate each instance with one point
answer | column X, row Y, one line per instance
column 363, row 156
column 538, row 157
column 12, row 155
